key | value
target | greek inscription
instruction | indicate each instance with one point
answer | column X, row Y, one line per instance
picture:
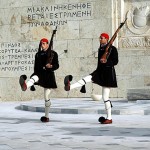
column 55, row 15
column 14, row 58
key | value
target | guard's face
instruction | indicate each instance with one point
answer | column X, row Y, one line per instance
column 44, row 45
column 103, row 40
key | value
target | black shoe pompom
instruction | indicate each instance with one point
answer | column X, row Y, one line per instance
column 70, row 77
column 101, row 119
column 24, row 77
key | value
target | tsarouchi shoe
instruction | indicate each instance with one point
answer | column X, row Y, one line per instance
column 22, row 82
column 107, row 121
column 44, row 119
column 103, row 120
column 67, row 80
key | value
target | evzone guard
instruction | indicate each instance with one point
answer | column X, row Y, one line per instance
column 46, row 62
column 104, row 76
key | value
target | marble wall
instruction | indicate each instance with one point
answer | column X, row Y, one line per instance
column 79, row 23
column 134, row 46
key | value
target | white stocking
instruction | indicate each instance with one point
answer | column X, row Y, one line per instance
column 81, row 82
column 105, row 97
column 31, row 82
column 47, row 101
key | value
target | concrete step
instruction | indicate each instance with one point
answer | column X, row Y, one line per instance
column 88, row 106
column 142, row 93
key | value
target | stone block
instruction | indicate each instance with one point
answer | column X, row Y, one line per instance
column 79, row 24
column 142, row 93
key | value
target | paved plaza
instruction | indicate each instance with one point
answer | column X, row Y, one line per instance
column 74, row 126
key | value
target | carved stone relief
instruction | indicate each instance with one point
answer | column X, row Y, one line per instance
column 138, row 19
column 135, row 42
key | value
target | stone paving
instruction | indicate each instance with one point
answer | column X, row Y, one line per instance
column 89, row 106
column 22, row 130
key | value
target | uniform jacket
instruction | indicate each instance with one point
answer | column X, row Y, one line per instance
column 105, row 74
column 46, row 75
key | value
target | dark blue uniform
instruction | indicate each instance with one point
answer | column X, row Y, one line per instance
column 105, row 74
column 46, row 75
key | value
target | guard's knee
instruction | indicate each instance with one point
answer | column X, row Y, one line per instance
column 87, row 79
column 35, row 78
column 108, row 104
column 46, row 93
column 47, row 103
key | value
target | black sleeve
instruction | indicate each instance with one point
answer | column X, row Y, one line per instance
column 113, row 57
column 55, row 63
column 36, row 64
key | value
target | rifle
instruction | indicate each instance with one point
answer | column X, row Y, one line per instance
column 50, row 54
column 107, row 51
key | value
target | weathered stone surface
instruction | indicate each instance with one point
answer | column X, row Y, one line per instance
column 23, row 23
column 138, row 93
